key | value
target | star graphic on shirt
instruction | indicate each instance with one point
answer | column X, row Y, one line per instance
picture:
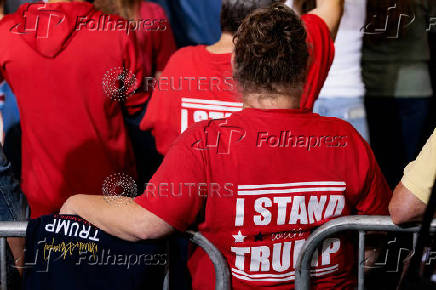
column 258, row 237
column 239, row 238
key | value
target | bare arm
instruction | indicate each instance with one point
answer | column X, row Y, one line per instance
column 122, row 217
column 331, row 12
column 405, row 206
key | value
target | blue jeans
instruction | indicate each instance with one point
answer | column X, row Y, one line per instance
column 12, row 204
column 351, row 110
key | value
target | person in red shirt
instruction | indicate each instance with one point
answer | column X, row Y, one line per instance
column 197, row 83
column 154, row 36
column 257, row 183
column 73, row 76
column 155, row 44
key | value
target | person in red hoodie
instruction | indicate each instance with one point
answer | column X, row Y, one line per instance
column 74, row 72
column 155, row 44
column 197, row 83
column 155, row 40
column 256, row 184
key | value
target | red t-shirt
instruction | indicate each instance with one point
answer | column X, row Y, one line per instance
column 155, row 38
column 197, row 85
column 73, row 134
column 257, row 183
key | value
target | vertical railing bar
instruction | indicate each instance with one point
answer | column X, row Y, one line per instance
column 348, row 223
column 166, row 282
column 361, row 273
column 415, row 239
column 4, row 276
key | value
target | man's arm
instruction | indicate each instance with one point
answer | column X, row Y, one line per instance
column 412, row 194
column 331, row 12
column 122, row 217
column 405, row 206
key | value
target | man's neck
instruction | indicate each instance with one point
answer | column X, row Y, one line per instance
column 271, row 102
column 224, row 45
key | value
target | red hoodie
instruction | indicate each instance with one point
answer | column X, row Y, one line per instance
column 73, row 134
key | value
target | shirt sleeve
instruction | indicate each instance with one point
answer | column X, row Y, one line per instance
column 419, row 175
column 321, row 54
column 177, row 192
column 375, row 192
column 164, row 44
column 135, row 94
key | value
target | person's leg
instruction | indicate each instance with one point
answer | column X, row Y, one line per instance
column 386, row 138
column 351, row 110
column 414, row 115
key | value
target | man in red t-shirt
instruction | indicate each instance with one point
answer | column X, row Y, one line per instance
column 66, row 69
column 197, row 82
column 257, row 183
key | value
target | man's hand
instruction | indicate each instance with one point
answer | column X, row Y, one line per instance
column 331, row 12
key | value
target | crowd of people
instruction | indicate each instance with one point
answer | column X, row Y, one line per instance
column 271, row 117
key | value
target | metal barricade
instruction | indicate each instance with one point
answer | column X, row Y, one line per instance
column 8, row 229
column 222, row 273
column 348, row 223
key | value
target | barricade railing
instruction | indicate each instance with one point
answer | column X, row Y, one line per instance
column 347, row 223
column 8, row 229
column 222, row 273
